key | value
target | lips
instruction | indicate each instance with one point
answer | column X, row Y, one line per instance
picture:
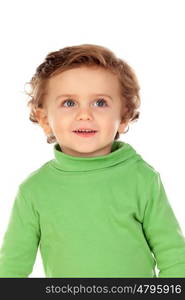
column 83, row 133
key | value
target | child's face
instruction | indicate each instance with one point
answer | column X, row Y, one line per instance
column 84, row 109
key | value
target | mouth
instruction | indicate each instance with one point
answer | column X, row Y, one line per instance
column 85, row 132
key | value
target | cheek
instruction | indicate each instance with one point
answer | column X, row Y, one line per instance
column 109, row 124
column 57, row 121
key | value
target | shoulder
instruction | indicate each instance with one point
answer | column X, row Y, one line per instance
column 144, row 169
column 36, row 177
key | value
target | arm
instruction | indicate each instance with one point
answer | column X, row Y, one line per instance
column 21, row 239
column 163, row 232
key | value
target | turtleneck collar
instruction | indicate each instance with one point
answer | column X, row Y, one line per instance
column 120, row 152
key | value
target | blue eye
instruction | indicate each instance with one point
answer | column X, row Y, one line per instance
column 100, row 101
column 67, row 101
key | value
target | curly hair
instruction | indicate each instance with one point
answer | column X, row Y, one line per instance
column 89, row 55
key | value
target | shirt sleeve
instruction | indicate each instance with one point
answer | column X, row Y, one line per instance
column 21, row 239
column 163, row 232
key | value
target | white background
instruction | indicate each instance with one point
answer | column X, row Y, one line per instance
column 149, row 35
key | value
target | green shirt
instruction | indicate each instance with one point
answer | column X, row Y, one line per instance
column 104, row 216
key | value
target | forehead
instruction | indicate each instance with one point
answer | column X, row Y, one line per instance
column 92, row 79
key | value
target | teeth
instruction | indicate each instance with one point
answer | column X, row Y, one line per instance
column 85, row 130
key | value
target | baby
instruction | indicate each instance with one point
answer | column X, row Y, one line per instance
column 97, row 209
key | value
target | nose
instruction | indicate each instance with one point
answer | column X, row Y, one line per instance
column 84, row 114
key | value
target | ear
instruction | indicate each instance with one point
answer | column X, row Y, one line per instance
column 122, row 126
column 42, row 118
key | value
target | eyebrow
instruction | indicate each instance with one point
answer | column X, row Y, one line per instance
column 70, row 95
